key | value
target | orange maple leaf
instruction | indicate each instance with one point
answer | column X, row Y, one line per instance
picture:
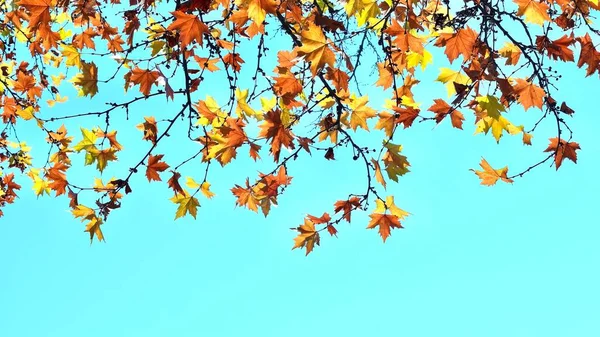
column 315, row 49
column 490, row 176
column 347, row 206
column 529, row 93
column 145, row 78
column 39, row 11
column 155, row 166
column 385, row 222
column 460, row 43
column 563, row 149
column 442, row 109
column 308, row 236
column 189, row 26
column 279, row 134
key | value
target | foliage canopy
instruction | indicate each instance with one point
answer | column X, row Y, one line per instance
column 290, row 72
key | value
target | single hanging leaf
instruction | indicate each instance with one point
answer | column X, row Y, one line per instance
column 563, row 149
column 490, row 176
column 187, row 205
column 155, row 166
column 308, row 236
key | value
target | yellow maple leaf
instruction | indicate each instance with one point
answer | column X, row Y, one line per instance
column 40, row 186
column 72, row 54
column 187, row 204
column 493, row 120
column 534, row 11
column 315, row 49
column 360, row 112
column 449, row 77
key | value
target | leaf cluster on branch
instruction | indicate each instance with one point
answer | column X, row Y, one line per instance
column 293, row 74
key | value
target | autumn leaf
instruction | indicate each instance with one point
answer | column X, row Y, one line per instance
column 529, row 93
column 274, row 130
column 511, row 52
column 145, row 78
column 87, row 79
column 460, row 43
column 258, row 9
column 395, row 163
column 187, row 204
column 360, row 112
column 155, row 166
column 490, row 176
column 442, row 109
column 39, row 11
column 386, row 223
column 491, row 118
column 190, row 28
column 534, row 11
column 563, row 149
column 307, row 237
column 315, row 49
column 149, row 128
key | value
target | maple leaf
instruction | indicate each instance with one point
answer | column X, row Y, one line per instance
column 385, row 222
column 460, row 43
column 101, row 157
column 360, row 112
column 386, row 122
column 557, row 49
column 190, row 28
column 88, row 141
column 234, row 60
column 112, row 138
column 529, row 93
column 347, row 206
column 245, row 197
column 492, row 119
column 155, row 166
column 450, row 77
column 72, row 54
column 40, row 186
column 386, row 77
column 490, row 176
column 173, row 183
column 87, row 79
column 315, row 49
column 94, row 223
column 208, row 64
column 58, row 179
column 39, row 11
column 149, row 128
column 188, row 204
column 308, row 236
column 534, row 11
column 563, row 149
column 511, row 52
column 258, row 9
column 588, row 56
column 395, row 163
column 145, row 78
column 442, row 109
column 278, row 133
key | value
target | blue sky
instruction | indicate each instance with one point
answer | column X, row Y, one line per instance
column 510, row 260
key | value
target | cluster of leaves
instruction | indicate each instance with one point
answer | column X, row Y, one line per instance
column 311, row 100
